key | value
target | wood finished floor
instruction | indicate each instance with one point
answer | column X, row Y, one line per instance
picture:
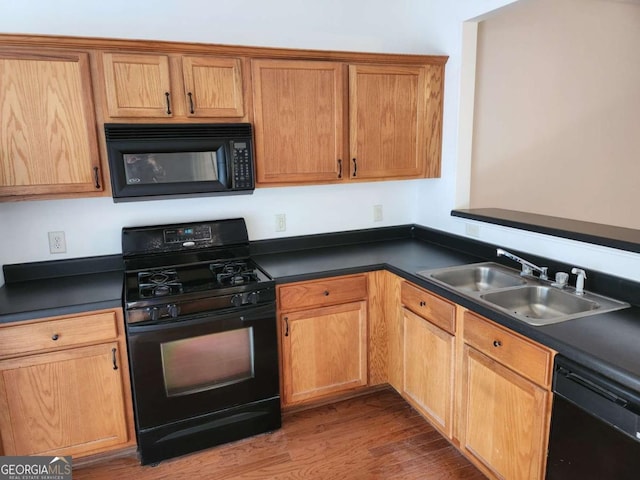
column 376, row 436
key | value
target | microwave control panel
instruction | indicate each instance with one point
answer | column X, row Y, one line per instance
column 242, row 167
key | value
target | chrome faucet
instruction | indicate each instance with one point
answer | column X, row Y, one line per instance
column 527, row 267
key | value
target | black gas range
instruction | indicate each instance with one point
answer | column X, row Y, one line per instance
column 165, row 292
column 201, row 330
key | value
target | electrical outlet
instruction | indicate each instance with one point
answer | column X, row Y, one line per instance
column 472, row 230
column 57, row 242
column 377, row 213
column 281, row 222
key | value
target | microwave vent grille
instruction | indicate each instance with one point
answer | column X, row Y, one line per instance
column 128, row 131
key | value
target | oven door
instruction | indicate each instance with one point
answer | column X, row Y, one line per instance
column 203, row 363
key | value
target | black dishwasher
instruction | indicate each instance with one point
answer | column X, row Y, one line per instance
column 595, row 426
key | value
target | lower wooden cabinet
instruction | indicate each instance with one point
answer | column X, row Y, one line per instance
column 486, row 388
column 74, row 398
column 429, row 355
column 505, row 418
column 428, row 372
column 506, row 400
column 483, row 386
column 323, row 337
column 324, row 351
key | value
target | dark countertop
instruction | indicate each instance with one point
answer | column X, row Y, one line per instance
column 598, row 233
column 33, row 299
column 61, row 287
column 608, row 343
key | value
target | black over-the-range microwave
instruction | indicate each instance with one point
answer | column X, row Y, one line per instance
column 152, row 161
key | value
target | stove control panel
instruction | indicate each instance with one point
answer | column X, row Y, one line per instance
column 138, row 243
column 196, row 233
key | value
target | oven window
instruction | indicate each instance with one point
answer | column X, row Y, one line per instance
column 210, row 361
column 174, row 167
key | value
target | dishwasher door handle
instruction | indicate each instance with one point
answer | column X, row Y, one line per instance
column 595, row 388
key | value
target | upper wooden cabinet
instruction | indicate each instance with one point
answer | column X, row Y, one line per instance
column 48, row 142
column 137, row 85
column 168, row 86
column 299, row 121
column 307, row 112
column 213, row 86
column 318, row 116
column 391, row 134
column 386, row 117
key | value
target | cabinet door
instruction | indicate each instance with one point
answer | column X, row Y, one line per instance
column 48, row 140
column 213, row 86
column 504, row 418
column 428, row 372
column 137, row 85
column 298, row 121
column 387, row 110
column 63, row 403
column 324, row 351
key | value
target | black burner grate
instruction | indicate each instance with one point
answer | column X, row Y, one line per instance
column 233, row 273
column 158, row 283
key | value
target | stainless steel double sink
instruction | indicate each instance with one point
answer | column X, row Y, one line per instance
column 526, row 298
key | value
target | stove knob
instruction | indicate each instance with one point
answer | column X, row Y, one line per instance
column 236, row 300
column 253, row 297
column 173, row 310
column 154, row 313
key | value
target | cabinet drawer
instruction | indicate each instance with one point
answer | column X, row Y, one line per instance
column 322, row 292
column 58, row 333
column 438, row 311
column 523, row 356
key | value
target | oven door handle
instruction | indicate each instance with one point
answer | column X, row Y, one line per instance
column 248, row 314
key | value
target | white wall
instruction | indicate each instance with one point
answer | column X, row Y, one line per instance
column 93, row 226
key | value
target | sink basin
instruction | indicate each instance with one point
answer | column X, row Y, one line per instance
column 540, row 304
column 476, row 278
column 527, row 299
